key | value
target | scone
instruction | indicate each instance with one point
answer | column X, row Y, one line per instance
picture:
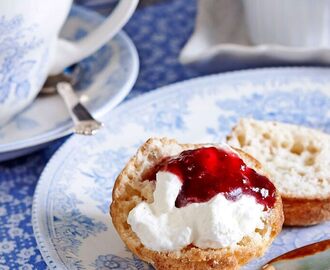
column 297, row 159
column 189, row 206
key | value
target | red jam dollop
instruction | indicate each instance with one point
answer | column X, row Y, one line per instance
column 208, row 171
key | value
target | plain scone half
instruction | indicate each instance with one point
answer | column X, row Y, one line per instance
column 129, row 190
column 298, row 161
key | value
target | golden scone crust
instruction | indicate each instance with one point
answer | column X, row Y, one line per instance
column 305, row 211
column 129, row 190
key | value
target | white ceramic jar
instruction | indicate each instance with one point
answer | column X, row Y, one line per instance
column 297, row 23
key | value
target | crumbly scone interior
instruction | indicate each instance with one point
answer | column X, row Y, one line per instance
column 296, row 157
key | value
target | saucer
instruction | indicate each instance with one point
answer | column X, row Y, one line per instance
column 71, row 219
column 221, row 42
column 104, row 80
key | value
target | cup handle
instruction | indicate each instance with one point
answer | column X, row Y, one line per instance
column 70, row 52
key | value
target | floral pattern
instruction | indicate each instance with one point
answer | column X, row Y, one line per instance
column 164, row 120
column 16, row 63
column 71, row 225
column 277, row 105
column 106, row 169
column 18, row 247
column 106, row 262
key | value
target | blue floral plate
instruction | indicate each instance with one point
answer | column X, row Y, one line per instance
column 70, row 210
column 104, row 80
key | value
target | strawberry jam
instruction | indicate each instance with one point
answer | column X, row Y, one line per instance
column 208, row 171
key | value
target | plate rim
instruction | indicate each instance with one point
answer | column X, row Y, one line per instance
column 67, row 129
column 71, row 143
column 278, row 52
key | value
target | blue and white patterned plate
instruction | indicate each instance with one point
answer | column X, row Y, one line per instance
column 70, row 210
column 105, row 79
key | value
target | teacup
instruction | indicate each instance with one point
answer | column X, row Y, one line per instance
column 30, row 47
column 295, row 23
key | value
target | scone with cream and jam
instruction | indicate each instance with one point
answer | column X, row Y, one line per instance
column 190, row 206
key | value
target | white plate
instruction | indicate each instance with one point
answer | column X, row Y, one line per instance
column 105, row 79
column 70, row 209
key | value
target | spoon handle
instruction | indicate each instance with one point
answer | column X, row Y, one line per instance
column 85, row 123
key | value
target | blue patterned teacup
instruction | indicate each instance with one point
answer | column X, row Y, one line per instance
column 30, row 48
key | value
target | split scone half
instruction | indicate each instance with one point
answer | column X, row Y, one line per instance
column 298, row 161
column 172, row 223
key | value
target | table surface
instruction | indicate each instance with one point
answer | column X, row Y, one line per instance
column 159, row 31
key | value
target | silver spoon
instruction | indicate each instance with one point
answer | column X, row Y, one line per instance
column 84, row 122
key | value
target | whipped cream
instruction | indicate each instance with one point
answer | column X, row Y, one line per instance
column 217, row 223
